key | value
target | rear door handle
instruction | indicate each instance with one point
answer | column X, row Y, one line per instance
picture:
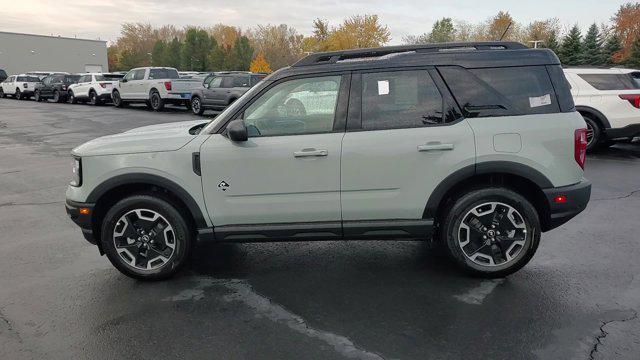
column 435, row 147
column 310, row 152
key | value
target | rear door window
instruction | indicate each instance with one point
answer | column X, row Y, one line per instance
column 241, row 81
column 163, row 74
column 400, row 99
column 139, row 74
column 610, row 81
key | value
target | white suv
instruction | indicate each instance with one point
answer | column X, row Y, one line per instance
column 609, row 101
column 19, row 86
column 475, row 146
column 93, row 88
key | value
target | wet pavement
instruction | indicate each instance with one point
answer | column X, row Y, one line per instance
column 577, row 299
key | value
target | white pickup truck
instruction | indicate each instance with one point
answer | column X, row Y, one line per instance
column 155, row 86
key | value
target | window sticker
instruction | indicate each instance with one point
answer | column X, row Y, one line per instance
column 539, row 101
column 383, row 87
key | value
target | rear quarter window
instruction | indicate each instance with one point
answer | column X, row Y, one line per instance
column 507, row 91
column 606, row 82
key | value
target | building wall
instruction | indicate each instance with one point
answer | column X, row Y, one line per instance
column 20, row 53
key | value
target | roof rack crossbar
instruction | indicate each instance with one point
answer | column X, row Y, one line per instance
column 335, row 56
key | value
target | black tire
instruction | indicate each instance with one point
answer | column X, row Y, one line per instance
column 56, row 96
column 594, row 134
column 36, row 96
column 93, row 98
column 18, row 94
column 117, row 100
column 461, row 209
column 2, row 94
column 71, row 98
column 157, row 104
column 196, row 105
column 182, row 237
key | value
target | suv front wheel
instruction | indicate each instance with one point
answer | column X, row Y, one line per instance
column 491, row 232
column 146, row 237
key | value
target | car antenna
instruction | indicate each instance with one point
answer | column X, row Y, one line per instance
column 505, row 30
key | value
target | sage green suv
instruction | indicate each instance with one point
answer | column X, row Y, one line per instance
column 474, row 146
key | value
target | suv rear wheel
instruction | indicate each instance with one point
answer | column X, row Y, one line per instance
column 491, row 232
column 18, row 94
column 72, row 98
column 196, row 106
column 146, row 237
column 56, row 96
column 117, row 100
column 2, row 94
column 594, row 133
column 93, row 98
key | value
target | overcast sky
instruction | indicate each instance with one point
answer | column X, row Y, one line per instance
column 102, row 20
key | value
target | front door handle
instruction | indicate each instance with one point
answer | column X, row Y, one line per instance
column 310, row 152
column 435, row 146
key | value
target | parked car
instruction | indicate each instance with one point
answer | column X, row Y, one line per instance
column 93, row 88
column 42, row 74
column 54, row 87
column 475, row 146
column 609, row 101
column 3, row 75
column 155, row 86
column 222, row 89
column 19, row 87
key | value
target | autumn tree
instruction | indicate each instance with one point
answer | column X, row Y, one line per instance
column 260, row 64
column 501, row 27
column 359, row 31
column 627, row 25
column 592, row 47
column 281, row 45
column 542, row 30
column 571, row 47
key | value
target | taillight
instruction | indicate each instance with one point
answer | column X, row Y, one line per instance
column 103, row 85
column 25, row 85
column 580, row 146
column 633, row 99
column 167, row 85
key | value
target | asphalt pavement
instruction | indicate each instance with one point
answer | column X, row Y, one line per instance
column 577, row 299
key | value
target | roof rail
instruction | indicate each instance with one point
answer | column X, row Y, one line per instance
column 335, row 56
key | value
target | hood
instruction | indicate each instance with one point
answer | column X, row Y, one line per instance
column 153, row 138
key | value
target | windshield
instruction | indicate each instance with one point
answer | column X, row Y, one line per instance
column 163, row 74
column 71, row 79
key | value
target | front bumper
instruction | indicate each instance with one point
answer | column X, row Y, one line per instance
column 82, row 218
column 576, row 199
column 627, row 132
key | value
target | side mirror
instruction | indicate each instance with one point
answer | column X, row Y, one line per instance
column 237, row 131
column 124, row 80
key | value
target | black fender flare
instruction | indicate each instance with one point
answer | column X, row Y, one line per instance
column 483, row 168
column 596, row 113
column 154, row 180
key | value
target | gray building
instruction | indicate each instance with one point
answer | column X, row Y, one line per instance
column 20, row 53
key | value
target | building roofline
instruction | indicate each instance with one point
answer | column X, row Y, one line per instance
column 52, row 37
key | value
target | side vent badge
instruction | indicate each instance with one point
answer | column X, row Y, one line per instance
column 223, row 185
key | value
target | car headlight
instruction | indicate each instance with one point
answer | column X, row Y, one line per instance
column 77, row 172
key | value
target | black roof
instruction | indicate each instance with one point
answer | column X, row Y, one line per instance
column 465, row 54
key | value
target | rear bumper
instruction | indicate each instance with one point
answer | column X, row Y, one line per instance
column 83, row 220
column 577, row 197
column 627, row 132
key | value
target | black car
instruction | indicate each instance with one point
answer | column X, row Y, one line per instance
column 221, row 89
column 54, row 87
column 3, row 75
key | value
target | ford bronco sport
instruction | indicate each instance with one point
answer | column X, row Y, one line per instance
column 475, row 146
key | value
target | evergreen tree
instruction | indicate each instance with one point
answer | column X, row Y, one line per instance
column 173, row 53
column 195, row 50
column 242, row 54
column 634, row 55
column 159, row 54
column 552, row 42
column 571, row 48
column 611, row 49
column 592, row 47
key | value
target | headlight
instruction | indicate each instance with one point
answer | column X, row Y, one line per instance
column 77, row 172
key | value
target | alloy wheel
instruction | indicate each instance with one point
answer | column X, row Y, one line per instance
column 18, row 94
column 56, row 96
column 590, row 134
column 144, row 239
column 492, row 234
column 155, row 101
column 195, row 105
